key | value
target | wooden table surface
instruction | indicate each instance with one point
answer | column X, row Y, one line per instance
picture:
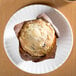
column 8, row 7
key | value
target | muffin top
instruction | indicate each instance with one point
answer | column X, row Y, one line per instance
column 36, row 37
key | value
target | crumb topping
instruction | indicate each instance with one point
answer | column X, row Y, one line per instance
column 37, row 37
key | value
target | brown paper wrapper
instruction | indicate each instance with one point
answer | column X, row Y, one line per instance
column 25, row 55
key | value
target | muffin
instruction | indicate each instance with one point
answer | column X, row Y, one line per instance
column 37, row 40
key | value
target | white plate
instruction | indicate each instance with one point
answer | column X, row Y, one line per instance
column 64, row 43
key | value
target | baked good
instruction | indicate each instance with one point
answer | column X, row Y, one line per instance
column 37, row 40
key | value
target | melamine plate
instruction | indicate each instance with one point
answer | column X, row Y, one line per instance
column 64, row 43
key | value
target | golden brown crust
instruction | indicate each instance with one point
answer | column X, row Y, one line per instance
column 26, row 56
column 36, row 37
